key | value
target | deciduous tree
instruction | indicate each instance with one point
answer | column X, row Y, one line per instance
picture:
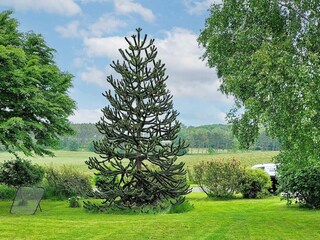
column 34, row 100
column 266, row 53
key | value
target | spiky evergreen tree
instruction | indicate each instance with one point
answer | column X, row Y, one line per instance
column 138, row 164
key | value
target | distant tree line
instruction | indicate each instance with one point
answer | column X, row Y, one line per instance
column 86, row 133
column 201, row 139
column 220, row 137
column 207, row 138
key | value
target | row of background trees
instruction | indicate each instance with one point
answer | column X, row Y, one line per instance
column 201, row 139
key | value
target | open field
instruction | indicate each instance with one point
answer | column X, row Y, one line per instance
column 234, row 219
column 77, row 158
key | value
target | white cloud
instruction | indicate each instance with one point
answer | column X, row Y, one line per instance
column 107, row 23
column 63, row 7
column 69, row 31
column 95, row 76
column 104, row 47
column 86, row 116
column 198, row 7
column 129, row 6
column 188, row 74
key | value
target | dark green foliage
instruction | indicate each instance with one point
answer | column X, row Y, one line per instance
column 186, row 206
column 74, row 202
column 66, row 182
column 301, row 182
column 100, row 179
column 140, row 145
column 255, row 183
column 20, row 172
column 7, row 192
column 34, row 99
column 90, row 147
column 219, row 178
column 74, row 146
column 219, row 136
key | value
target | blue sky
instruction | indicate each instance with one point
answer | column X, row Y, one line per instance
column 88, row 33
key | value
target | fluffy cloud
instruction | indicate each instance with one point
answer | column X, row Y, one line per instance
column 63, row 7
column 107, row 23
column 198, row 7
column 188, row 74
column 129, row 6
column 70, row 30
column 86, row 116
column 104, row 47
column 95, row 76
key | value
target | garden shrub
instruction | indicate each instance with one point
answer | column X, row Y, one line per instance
column 74, row 202
column 186, row 206
column 66, row 182
column 7, row 192
column 20, row 172
column 219, row 178
column 255, row 183
column 301, row 182
column 190, row 176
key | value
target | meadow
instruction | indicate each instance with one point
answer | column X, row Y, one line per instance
column 267, row 218
column 78, row 158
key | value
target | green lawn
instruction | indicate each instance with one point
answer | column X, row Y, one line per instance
column 234, row 219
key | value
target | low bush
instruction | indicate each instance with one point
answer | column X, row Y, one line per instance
column 186, row 206
column 74, row 202
column 219, row 178
column 7, row 192
column 20, row 172
column 225, row 178
column 66, row 182
column 301, row 183
column 255, row 183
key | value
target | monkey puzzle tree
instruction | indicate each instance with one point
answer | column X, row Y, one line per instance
column 140, row 145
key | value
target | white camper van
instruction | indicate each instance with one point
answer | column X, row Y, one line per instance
column 270, row 168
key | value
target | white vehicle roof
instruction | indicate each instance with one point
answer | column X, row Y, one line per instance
column 269, row 168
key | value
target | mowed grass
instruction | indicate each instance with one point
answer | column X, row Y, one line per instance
column 210, row 219
column 234, row 219
column 78, row 158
